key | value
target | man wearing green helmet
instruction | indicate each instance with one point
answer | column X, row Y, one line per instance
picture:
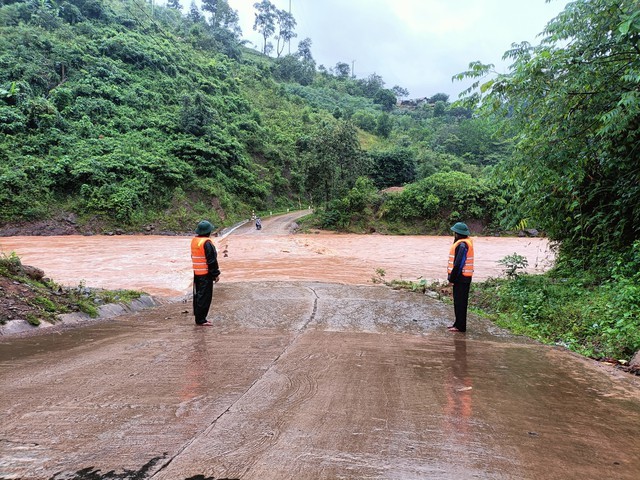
column 460, row 273
column 205, row 271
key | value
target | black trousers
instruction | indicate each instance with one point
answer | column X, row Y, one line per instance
column 202, row 295
column 460, row 304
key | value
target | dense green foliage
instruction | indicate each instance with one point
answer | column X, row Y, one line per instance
column 131, row 114
column 572, row 104
column 592, row 318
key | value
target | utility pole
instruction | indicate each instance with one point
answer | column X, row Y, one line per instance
column 353, row 69
column 289, row 39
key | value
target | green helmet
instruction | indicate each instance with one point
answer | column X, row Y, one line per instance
column 461, row 228
column 204, row 228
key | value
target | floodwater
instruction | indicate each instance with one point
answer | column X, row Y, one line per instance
column 160, row 265
column 313, row 375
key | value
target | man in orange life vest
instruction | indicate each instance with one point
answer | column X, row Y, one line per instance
column 205, row 271
column 460, row 272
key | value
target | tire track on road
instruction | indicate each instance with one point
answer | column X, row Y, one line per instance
column 253, row 385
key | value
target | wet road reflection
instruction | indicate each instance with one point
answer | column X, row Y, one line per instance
column 309, row 387
column 196, row 367
column 458, row 388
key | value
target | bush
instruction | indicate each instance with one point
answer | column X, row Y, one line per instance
column 513, row 263
column 444, row 198
column 594, row 320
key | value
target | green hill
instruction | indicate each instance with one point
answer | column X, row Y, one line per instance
column 126, row 114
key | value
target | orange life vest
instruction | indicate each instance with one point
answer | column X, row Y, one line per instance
column 467, row 269
column 198, row 257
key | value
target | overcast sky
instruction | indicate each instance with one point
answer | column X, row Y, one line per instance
column 416, row 44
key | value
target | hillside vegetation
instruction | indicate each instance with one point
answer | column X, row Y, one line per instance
column 126, row 114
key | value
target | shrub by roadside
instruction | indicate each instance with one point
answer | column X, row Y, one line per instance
column 598, row 321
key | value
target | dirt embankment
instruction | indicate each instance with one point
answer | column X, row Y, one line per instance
column 27, row 296
column 17, row 300
column 67, row 224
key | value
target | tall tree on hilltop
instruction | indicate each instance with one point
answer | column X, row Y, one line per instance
column 371, row 85
column 342, row 70
column 194, row 12
column 439, row 97
column 286, row 24
column 400, row 92
column 265, row 22
column 221, row 15
column 212, row 6
column 304, row 50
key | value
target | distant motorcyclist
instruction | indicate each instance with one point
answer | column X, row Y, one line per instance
column 258, row 224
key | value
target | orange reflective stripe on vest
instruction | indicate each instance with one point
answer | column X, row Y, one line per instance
column 467, row 269
column 198, row 257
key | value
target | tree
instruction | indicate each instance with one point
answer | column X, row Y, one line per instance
column 384, row 125
column 393, row 168
column 290, row 69
column 194, row 13
column 386, row 99
column 175, row 4
column 342, row 70
column 304, row 50
column 573, row 106
column 400, row 92
column 334, row 160
column 265, row 22
column 371, row 85
column 210, row 6
column 222, row 15
column 439, row 97
column 286, row 24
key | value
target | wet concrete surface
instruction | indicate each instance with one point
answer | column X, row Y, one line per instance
column 308, row 380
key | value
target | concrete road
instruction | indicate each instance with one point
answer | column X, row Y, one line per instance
column 304, row 380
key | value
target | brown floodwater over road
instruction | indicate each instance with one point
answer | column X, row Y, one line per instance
column 160, row 265
column 304, row 379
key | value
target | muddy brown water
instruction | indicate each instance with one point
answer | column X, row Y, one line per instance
column 308, row 373
column 160, row 265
